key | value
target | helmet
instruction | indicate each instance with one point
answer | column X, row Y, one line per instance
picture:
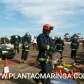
column 16, row 36
column 47, row 27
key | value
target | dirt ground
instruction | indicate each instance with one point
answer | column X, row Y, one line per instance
column 30, row 66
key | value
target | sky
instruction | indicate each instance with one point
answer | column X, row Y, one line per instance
column 21, row 16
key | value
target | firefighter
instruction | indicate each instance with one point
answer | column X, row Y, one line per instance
column 82, row 44
column 44, row 46
column 15, row 40
column 25, row 51
column 74, row 47
column 26, row 38
column 59, row 45
column 26, row 43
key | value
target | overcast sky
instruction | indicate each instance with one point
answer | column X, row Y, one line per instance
column 20, row 16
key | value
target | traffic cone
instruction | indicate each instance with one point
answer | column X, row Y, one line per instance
column 6, row 66
column 6, row 70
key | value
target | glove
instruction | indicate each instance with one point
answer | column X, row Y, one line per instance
column 48, row 47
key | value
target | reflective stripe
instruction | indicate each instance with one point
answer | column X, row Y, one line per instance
column 25, row 50
column 43, row 59
column 59, row 50
column 74, row 49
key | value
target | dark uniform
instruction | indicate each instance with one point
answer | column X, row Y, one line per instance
column 59, row 45
column 44, row 56
column 26, row 42
column 15, row 40
column 83, row 44
column 26, row 38
column 16, row 47
column 74, row 47
column 25, row 50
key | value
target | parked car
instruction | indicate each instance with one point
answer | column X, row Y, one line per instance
column 6, row 52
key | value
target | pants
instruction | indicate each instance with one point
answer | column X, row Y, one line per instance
column 24, row 55
column 83, row 45
column 16, row 48
column 73, row 54
column 45, row 68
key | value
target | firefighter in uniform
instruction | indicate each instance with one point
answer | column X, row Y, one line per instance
column 74, row 47
column 15, row 40
column 26, row 38
column 44, row 46
column 59, row 45
column 25, row 51
column 82, row 41
column 26, row 42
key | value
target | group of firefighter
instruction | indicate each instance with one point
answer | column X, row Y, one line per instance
column 25, row 42
column 46, row 47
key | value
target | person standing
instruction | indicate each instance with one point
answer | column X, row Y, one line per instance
column 44, row 47
column 74, row 48
column 59, row 44
column 16, row 40
column 25, row 51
